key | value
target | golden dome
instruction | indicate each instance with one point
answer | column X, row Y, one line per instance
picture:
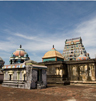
column 52, row 53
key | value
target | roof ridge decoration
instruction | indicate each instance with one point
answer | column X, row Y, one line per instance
column 55, row 50
column 73, row 39
column 20, row 65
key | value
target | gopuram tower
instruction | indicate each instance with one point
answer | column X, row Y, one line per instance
column 74, row 48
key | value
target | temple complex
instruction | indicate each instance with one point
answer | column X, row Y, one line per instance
column 23, row 73
column 74, row 66
column 81, row 69
column 73, row 48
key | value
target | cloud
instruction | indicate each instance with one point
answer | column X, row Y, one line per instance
column 7, row 46
column 87, row 31
column 25, row 37
column 37, row 44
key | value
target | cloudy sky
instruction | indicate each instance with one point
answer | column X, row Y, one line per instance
column 39, row 25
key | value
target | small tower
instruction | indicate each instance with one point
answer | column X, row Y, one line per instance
column 19, row 56
column 52, row 55
column 73, row 48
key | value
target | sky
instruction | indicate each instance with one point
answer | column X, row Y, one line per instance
column 38, row 25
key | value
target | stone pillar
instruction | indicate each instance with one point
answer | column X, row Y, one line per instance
column 78, row 70
column 69, row 73
column 4, row 75
column 44, row 77
column 80, row 76
column 92, row 69
column 95, row 70
column 28, row 76
column 88, row 69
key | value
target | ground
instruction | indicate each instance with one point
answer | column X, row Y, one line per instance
column 51, row 93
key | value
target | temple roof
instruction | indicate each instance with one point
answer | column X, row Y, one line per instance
column 52, row 53
column 23, row 65
column 82, row 57
column 73, row 41
column 19, row 56
column 19, row 52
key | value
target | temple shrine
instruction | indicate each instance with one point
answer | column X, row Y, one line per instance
column 23, row 73
column 52, row 55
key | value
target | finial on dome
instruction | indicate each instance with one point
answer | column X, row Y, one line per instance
column 20, row 46
column 53, row 46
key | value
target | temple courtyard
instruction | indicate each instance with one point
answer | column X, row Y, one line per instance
column 53, row 92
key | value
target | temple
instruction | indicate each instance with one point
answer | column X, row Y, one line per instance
column 23, row 73
column 73, row 48
column 75, row 66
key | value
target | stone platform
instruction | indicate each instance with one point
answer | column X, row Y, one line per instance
column 14, row 84
column 82, row 82
column 73, row 82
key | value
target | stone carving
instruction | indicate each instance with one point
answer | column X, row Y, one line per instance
column 74, row 69
column 84, row 72
column 92, row 73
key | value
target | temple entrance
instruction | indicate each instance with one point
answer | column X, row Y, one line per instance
column 10, row 77
column 39, row 75
column 11, row 62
